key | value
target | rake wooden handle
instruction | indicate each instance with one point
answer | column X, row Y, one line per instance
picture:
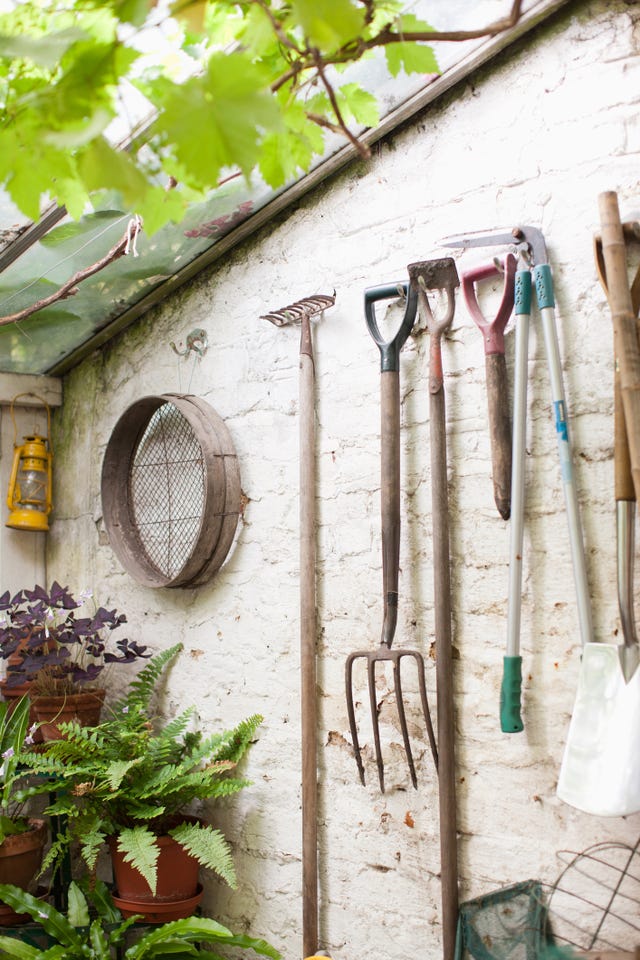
column 308, row 630
column 626, row 345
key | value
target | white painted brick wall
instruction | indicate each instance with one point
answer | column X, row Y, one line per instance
column 532, row 139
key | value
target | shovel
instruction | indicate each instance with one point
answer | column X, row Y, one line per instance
column 600, row 771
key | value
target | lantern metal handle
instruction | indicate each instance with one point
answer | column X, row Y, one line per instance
column 44, row 403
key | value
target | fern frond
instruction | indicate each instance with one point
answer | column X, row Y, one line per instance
column 139, row 848
column 209, row 848
column 142, row 688
column 115, row 773
column 56, row 853
column 172, row 730
column 90, row 844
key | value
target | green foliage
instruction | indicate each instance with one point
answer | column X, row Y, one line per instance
column 410, row 57
column 76, row 937
column 13, row 748
column 244, row 104
column 134, row 777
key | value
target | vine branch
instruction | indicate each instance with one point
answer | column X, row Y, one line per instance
column 70, row 288
column 355, row 49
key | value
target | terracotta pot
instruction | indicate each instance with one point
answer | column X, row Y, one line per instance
column 159, row 911
column 177, row 880
column 20, row 861
column 84, row 707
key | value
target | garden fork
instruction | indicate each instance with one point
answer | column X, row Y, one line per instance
column 390, row 503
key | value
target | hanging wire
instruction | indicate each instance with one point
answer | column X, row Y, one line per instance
column 197, row 344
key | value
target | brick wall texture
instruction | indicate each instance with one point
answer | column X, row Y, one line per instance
column 532, row 138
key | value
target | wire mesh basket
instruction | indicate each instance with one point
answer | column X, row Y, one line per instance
column 593, row 905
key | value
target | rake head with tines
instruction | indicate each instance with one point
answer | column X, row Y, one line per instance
column 390, row 502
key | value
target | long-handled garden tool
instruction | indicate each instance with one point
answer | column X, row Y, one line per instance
column 495, row 371
column 302, row 311
column 624, row 324
column 531, row 247
column 600, row 771
column 623, row 478
column 390, row 504
column 441, row 275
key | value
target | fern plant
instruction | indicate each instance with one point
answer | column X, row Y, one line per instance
column 134, row 778
column 93, row 929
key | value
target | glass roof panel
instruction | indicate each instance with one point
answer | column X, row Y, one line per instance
column 54, row 337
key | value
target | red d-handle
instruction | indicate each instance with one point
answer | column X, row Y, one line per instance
column 492, row 330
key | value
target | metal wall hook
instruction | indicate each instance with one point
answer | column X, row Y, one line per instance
column 197, row 342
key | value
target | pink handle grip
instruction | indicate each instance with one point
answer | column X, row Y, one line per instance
column 492, row 330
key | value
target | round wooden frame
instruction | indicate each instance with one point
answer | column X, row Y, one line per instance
column 221, row 507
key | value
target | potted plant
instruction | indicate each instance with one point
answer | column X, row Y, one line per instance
column 22, row 838
column 57, row 652
column 93, row 929
column 130, row 781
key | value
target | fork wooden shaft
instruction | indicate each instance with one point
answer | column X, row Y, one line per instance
column 390, row 498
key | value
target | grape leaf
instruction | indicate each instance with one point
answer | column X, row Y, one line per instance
column 230, row 107
column 358, row 104
column 412, row 57
column 328, row 24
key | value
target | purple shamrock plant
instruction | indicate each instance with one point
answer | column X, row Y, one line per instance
column 47, row 642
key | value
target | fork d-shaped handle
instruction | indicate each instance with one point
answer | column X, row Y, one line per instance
column 390, row 349
column 390, row 445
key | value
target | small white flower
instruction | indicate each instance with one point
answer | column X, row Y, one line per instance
column 125, row 709
column 31, row 731
column 8, row 753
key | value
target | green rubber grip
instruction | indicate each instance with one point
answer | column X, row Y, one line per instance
column 544, row 285
column 510, row 719
column 523, row 292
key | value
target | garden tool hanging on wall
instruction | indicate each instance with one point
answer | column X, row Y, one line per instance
column 495, row 371
column 390, row 508
column 441, row 275
column 600, row 770
column 531, row 249
column 302, row 311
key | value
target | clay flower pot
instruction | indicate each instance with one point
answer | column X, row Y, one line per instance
column 20, row 861
column 177, row 890
column 159, row 911
column 83, row 707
